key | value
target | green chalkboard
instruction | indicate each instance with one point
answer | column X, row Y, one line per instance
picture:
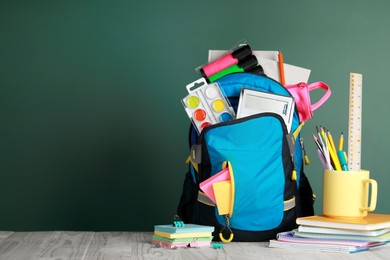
column 92, row 132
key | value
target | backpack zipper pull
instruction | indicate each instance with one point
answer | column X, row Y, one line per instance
column 291, row 146
column 305, row 157
column 227, row 226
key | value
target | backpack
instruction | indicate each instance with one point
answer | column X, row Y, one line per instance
column 270, row 188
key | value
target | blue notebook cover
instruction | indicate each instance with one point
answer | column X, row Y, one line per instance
column 188, row 228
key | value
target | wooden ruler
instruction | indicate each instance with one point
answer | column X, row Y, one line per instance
column 355, row 121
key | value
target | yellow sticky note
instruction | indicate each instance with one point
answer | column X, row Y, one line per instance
column 223, row 196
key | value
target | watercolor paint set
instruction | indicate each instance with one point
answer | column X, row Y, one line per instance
column 206, row 104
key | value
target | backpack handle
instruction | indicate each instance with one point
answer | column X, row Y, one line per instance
column 322, row 100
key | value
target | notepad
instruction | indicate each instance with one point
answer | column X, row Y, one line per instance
column 254, row 102
column 207, row 185
column 182, row 235
column 181, row 242
column 223, row 196
column 188, row 228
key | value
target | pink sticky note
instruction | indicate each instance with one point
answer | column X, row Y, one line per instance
column 207, row 185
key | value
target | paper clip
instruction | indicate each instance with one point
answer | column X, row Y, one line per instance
column 177, row 222
column 217, row 246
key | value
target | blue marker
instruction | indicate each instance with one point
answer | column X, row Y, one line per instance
column 343, row 161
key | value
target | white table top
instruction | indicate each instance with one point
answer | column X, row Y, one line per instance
column 137, row 245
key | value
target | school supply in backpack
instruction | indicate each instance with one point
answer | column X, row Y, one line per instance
column 206, row 105
column 254, row 102
column 269, row 62
column 238, row 54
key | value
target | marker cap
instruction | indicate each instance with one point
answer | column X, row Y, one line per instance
column 258, row 70
column 248, row 63
column 242, row 52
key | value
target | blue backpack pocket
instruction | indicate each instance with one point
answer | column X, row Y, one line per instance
column 257, row 149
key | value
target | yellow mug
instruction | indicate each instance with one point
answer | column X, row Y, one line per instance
column 346, row 194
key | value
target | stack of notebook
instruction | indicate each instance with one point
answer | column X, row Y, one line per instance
column 189, row 235
column 337, row 235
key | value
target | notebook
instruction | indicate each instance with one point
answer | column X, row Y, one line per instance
column 188, row 228
column 290, row 236
column 323, row 230
column 316, row 247
column 370, row 222
column 381, row 238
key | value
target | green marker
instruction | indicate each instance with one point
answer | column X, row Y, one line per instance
column 242, row 66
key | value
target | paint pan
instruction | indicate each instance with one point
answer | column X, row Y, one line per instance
column 206, row 105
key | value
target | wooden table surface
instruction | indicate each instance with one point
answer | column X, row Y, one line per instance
column 137, row 245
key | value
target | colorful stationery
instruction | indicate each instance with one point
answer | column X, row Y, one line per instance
column 281, row 68
column 269, row 61
column 181, row 242
column 384, row 238
column 316, row 247
column 331, row 157
column 370, row 222
column 187, row 228
column 355, row 121
column 206, row 104
column 292, row 236
column 182, row 235
column 207, row 185
column 289, row 240
column 324, row 230
column 223, row 196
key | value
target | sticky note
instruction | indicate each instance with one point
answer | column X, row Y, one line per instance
column 223, row 196
column 207, row 185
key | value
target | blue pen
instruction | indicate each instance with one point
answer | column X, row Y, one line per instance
column 343, row 161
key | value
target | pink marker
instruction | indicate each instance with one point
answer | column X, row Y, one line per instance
column 226, row 61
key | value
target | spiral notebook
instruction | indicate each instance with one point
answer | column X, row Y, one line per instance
column 384, row 238
column 289, row 240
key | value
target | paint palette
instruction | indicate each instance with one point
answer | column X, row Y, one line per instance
column 206, row 104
